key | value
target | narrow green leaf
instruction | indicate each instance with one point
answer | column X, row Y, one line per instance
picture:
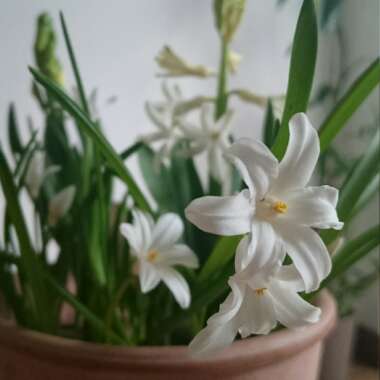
column 97, row 137
column 78, row 79
column 269, row 126
column 29, row 262
column 223, row 251
column 355, row 184
column 349, row 103
column 13, row 132
column 352, row 252
column 83, row 310
column 301, row 73
column 366, row 197
column 157, row 178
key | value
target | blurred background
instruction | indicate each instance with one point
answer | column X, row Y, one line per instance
column 116, row 44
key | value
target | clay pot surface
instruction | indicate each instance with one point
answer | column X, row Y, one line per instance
column 283, row 355
column 336, row 358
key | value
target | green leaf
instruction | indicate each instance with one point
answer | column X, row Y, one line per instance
column 95, row 322
column 29, row 261
column 355, row 184
column 269, row 130
column 349, row 103
column 13, row 133
column 301, row 73
column 222, row 253
column 157, row 178
column 90, row 129
column 352, row 252
column 367, row 195
column 78, row 79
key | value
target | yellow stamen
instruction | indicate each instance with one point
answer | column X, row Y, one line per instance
column 280, row 207
column 260, row 291
column 152, row 255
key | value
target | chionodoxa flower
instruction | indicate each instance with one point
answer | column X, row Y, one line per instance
column 156, row 248
column 277, row 206
column 259, row 298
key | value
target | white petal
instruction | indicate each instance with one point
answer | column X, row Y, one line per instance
column 257, row 314
column 212, row 339
column 133, row 235
column 155, row 116
column 35, row 173
column 292, row 311
column 308, row 252
column 301, row 156
column 231, row 305
column 167, row 231
column 257, row 251
column 148, row 275
column 177, row 285
column 180, row 254
column 314, row 207
column 143, row 222
column 226, row 216
column 60, row 204
column 256, row 164
column 290, row 275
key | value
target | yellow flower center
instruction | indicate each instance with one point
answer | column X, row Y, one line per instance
column 152, row 255
column 280, row 207
column 260, row 291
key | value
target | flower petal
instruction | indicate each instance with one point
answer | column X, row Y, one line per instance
column 226, row 216
column 290, row 275
column 148, row 276
column 144, row 223
column 60, row 204
column 180, row 254
column 177, row 285
column 308, row 252
column 292, row 311
column 313, row 207
column 230, row 306
column 133, row 236
column 256, row 251
column 256, row 164
column 167, row 231
column 257, row 314
column 301, row 156
column 212, row 339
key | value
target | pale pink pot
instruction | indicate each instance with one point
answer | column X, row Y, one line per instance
column 283, row 355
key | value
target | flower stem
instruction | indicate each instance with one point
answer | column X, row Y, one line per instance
column 222, row 95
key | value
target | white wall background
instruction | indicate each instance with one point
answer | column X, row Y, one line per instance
column 116, row 41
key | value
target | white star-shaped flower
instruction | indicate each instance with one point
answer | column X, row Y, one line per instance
column 259, row 298
column 277, row 206
column 212, row 137
column 156, row 248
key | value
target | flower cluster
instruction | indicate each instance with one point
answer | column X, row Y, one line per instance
column 276, row 214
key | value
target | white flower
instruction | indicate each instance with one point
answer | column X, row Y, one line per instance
column 175, row 66
column 164, row 117
column 213, row 138
column 60, row 203
column 277, row 206
column 37, row 172
column 259, row 298
column 157, row 251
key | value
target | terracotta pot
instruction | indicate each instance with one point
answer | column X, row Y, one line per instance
column 285, row 355
column 337, row 351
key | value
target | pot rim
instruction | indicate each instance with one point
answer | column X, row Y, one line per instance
column 254, row 352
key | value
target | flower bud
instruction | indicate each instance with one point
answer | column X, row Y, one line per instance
column 176, row 66
column 45, row 49
column 228, row 14
column 60, row 203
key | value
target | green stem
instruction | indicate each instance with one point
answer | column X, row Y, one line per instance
column 222, row 96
